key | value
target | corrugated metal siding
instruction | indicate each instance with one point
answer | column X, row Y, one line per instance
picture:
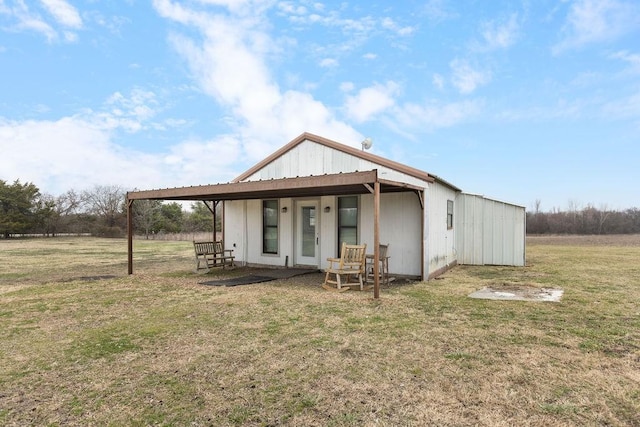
column 468, row 224
column 235, row 216
column 489, row 232
column 400, row 228
column 310, row 158
column 243, row 232
column 442, row 243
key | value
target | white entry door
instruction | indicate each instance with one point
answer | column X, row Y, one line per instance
column 307, row 233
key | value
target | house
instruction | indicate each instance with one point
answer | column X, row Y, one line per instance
column 298, row 205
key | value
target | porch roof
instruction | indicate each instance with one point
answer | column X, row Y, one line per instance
column 306, row 186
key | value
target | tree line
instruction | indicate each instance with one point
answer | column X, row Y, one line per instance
column 586, row 220
column 99, row 211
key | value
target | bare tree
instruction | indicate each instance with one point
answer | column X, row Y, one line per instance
column 107, row 203
column 146, row 214
column 65, row 206
column 603, row 215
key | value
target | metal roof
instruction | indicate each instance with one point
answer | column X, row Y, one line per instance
column 306, row 186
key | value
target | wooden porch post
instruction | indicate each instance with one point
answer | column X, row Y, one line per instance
column 376, row 239
column 213, row 211
column 130, row 235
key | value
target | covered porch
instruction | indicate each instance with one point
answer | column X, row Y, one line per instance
column 353, row 183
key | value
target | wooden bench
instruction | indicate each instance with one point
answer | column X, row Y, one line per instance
column 212, row 254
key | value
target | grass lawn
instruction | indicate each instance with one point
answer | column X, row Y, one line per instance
column 82, row 343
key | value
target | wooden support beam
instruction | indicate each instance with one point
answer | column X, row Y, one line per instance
column 376, row 240
column 213, row 211
column 130, row 236
column 207, row 205
column 420, row 198
column 368, row 187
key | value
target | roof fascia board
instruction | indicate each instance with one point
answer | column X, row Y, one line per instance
column 237, row 190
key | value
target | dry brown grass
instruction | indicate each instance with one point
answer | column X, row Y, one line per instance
column 157, row 348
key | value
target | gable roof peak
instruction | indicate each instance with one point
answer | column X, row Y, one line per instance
column 306, row 136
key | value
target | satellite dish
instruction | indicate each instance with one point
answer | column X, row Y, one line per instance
column 366, row 144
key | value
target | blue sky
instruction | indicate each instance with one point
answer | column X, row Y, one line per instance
column 517, row 100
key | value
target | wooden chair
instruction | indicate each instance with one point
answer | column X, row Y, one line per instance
column 350, row 265
column 383, row 251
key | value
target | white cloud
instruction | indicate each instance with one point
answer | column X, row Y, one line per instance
column 22, row 18
column 626, row 108
column 391, row 25
column 371, row 101
column 595, row 21
column 67, row 153
column 64, row 13
column 437, row 11
column 433, row 115
column 229, row 62
column 369, row 56
column 466, row 78
column 329, row 63
column 289, row 8
column 499, row 35
column 347, row 86
column 438, row 81
column 633, row 59
column 79, row 152
column 31, row 23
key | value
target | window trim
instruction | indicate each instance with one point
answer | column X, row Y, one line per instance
column 339, row 227
column 265, row 227
column 449, row 214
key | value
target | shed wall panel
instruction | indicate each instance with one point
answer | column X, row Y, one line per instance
column 490, row 232
column 469, row 233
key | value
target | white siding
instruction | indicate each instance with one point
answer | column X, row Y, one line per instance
column 484, row 231
column 490, row 232
column 243, row 232
column 400, row 228
column 328, row 229
column 235, row 237
column 310, row 158
column 441, row 250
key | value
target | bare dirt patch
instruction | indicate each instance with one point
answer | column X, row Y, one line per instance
column 518, row 292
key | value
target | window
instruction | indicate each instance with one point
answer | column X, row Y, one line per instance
column 270, row 226
column 449, row 214
column 347, row 221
